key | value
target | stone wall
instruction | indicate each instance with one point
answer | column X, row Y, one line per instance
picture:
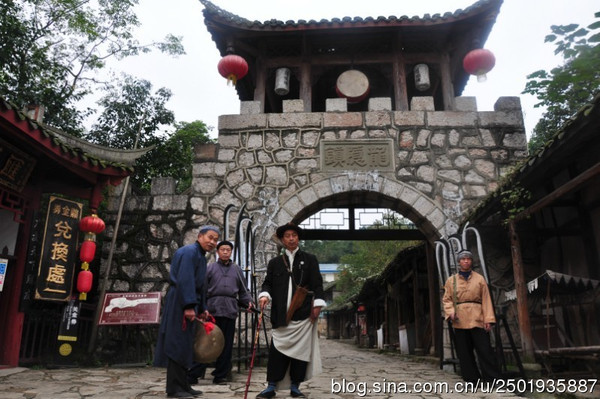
column 444, row 163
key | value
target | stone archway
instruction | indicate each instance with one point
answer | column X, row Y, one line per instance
column 435, row 165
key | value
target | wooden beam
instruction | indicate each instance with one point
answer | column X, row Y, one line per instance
column 566, row 188
column 342, row 59
column 362, row 235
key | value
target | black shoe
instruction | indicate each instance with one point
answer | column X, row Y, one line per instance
column 182, row 394
column 195, row 392
column 266, row 394
column 219, row 381
column 295, row 393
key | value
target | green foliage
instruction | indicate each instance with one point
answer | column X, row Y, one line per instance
column 369, row 258
column 51, row 51
column 328, row 251
column 566, row 88
column 514, row 201
column 174, row 157
column 130, row 108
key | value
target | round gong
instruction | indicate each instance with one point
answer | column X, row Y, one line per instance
column 353, row 85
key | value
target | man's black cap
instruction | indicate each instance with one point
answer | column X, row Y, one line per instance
column 289, row 226
column 225, row 243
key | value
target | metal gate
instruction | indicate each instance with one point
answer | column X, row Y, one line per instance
column 243, row 255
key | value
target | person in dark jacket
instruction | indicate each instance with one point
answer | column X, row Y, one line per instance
column 294, row 345
column 226, row 292
column 183, row 302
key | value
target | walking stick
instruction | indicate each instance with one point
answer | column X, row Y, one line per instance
column 253, row 354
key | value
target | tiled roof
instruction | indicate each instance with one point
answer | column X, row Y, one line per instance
column 95, row 155
column 227, row 17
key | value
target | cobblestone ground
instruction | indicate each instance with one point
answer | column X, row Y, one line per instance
column 358, row 372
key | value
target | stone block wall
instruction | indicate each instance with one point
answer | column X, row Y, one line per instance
column 450, row 159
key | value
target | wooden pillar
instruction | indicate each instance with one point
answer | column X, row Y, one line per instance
column 434, row 300
column 261, row 80
column 521, row 293
column 447, row 86
column 306, row 76
column 399, row 77
column 306, row 86
column 417, row 309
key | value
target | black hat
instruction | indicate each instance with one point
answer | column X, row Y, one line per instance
column 224, row 242
column 289, row 226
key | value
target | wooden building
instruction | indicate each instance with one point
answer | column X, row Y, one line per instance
column 37, row 161
column 383, row 52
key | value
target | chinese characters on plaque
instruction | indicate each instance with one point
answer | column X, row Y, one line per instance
column 59, row 250
column 360, row 155
column 15, row 166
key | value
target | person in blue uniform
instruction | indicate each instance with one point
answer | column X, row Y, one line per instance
column 183, row 302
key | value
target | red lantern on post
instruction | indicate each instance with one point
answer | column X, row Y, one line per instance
column 90, row 225
column 84, row 283
column 232, row 67
column 479, row 62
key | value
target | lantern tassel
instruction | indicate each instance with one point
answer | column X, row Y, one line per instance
column 83, row 296
column 231, row 78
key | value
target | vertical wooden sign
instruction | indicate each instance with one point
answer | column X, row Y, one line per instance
column 59, row 250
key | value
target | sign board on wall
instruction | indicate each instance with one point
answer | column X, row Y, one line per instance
column 59, row 250
column 3, row 266
column 130, row 308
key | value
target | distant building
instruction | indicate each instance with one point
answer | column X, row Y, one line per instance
column 329, row 272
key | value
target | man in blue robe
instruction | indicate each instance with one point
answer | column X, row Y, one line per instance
column 184, row 300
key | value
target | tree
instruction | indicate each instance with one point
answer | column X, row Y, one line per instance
column 369, row 258
column 175, row 156
column 566, row 88
column 329, row 251
column 51, row 51
column 131, row 109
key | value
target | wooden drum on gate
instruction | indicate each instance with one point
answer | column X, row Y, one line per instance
column 352, row 85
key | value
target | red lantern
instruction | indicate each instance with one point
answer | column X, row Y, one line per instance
column 87, row 251
column 479, row 62
column 84, row 283
column 92, row 224
column 233, row 68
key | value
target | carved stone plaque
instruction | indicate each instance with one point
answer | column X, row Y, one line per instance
column 361, row 155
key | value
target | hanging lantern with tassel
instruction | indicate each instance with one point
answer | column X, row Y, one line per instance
column 90, row 225
column 232, row 67
column 479, row 62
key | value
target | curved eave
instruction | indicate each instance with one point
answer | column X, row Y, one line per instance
column 218, row 15
column 113, row 155
column 83, row 164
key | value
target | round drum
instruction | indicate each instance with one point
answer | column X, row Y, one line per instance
column 353, row 85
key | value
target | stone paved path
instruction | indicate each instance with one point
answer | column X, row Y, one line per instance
column 345, row 365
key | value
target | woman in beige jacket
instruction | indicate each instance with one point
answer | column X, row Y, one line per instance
column 468, row 305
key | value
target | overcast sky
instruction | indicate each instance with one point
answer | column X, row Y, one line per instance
column 200, row 93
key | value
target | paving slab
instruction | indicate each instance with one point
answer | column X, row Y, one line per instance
column 349, row 372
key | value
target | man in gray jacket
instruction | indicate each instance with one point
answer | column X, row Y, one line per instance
column 226, row 289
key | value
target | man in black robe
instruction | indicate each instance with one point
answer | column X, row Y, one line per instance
column 294, row 351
